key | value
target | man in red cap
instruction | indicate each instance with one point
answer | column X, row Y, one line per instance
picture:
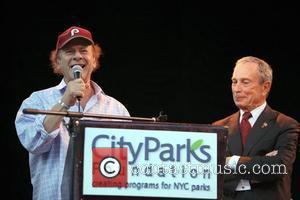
column 46, row 137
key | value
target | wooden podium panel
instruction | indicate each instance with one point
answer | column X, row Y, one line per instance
column 174, row 143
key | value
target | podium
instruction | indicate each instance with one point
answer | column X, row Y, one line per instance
column 149, row 160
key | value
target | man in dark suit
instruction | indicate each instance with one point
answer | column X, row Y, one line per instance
column 262, row 142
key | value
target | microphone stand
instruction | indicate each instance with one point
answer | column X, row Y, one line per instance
column 73, row 128
column 161, row 118
column 70, row 166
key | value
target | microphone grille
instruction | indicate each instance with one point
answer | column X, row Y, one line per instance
column 76, row 68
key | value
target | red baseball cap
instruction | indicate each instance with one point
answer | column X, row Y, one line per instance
column 72, row 33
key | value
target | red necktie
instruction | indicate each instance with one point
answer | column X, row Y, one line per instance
column 245, row 127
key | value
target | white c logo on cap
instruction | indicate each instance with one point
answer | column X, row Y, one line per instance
column 73, row 31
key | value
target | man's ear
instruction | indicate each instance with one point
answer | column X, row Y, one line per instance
column 94, row 63
column 58, row 64
column 267, row 87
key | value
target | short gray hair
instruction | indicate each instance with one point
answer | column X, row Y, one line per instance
column 264, row 69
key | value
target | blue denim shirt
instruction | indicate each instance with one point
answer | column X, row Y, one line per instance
column 47, row 151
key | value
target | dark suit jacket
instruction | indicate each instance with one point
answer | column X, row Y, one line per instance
column 272, row 131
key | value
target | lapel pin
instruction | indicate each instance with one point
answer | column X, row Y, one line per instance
column 264, row 125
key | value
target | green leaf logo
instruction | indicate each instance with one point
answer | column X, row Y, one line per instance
column 196, row 145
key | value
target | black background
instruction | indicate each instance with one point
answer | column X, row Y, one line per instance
column 172, row 56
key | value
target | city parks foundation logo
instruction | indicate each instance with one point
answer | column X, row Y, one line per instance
column 110, row 167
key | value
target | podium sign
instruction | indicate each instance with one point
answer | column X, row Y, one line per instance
column 154, row 160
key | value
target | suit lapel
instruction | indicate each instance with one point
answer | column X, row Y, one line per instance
column 261, row 126
column 234, row 141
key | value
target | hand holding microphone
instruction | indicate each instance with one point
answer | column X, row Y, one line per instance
column 75, row 88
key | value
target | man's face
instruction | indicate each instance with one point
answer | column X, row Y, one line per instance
column 247, row 90
column 77, row 52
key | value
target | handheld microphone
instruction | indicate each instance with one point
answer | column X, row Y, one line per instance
column 77, row 69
